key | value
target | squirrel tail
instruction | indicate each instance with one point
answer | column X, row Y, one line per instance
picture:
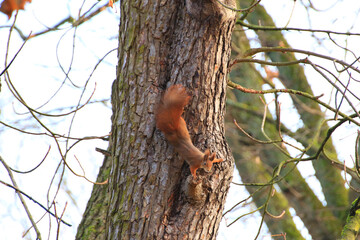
column 171, row 107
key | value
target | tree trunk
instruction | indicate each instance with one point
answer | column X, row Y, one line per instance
column 151, row 193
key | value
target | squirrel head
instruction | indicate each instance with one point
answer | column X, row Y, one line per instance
column 209, row 160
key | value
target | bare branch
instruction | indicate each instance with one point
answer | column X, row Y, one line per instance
column 270, row 28
column 291, row 91
column 253, row 51
column 38, row 234
column 248, row 9
column 29, row 171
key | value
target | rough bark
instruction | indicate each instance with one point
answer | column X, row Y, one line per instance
column 352, row 226
column 151, row 192
column 92, row 225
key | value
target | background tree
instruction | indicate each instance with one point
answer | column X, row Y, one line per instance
column 188, row 43
column 256, row 160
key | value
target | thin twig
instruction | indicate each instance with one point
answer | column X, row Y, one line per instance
column 347, row 182
column 29, row 171
column 291, row 91
column 253, row 51
column 239, row 10
column 241, row 216
column 343, row 93
column 29, row 197
column 254, row 139
column 252, row 60
column 276, row 217
column 38, row 235
column 12, row 60
column 270, row 28
column 357, row 153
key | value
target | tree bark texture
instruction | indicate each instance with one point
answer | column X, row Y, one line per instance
column 352, row 226
column 92, row 226
column 151, row 193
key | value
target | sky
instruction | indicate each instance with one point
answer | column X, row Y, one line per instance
column 37, row 74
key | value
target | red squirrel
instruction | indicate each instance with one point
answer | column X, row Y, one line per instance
column 170, row 122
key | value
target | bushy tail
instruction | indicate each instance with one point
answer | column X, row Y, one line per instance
column 171, row 107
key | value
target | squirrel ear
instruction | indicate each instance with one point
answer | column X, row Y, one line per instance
column 206, row 154
column 212, row 157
